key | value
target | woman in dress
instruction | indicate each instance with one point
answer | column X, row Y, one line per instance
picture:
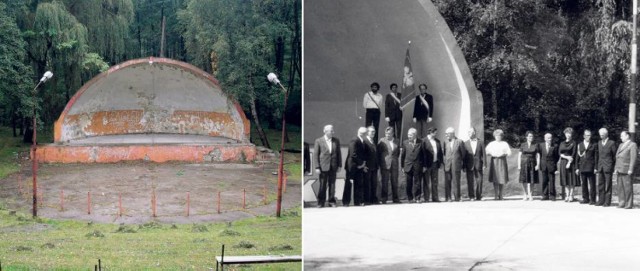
column 498, row 151
column 528, row 161
column 568, row 178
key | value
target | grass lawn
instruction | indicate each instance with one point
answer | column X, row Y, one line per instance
column 28, row 244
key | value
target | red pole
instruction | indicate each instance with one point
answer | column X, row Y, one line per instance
column 188, row 200
column 120, row 204
column 281, row 165
column 244, row 198
column 153, row 202
column 284, row 186
column 218, row 202
column 61, row 200
column 264, row 192
column 89, row 202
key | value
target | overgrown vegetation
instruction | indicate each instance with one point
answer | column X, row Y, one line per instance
column 70, row 245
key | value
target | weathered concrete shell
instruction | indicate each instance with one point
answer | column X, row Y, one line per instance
column 154, row 109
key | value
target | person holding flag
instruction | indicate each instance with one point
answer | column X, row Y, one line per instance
column 423, row 110
column 392, row 110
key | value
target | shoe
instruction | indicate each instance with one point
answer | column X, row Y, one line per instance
column 598, row 204
column 472, row 199
column 435, row 200
column 553, row 199
column 583, row 202
column 321, row 206
column 545, row 198
column 332, row 205
column 396, row 201
column 592, row 203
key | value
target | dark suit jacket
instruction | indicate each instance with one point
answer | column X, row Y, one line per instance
column 411, row 157
column 324, row 159
column 626, row 157
column 606, row 156
column 548, row 160
column 474, row 161
column 587, row 163
column 453, row 157
column 428, row 153
column 356, row 155
column 419, row 110
column 392, row 107
column 387, row 157
column 372, row 155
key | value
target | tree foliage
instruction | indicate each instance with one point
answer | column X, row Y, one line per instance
column 238, row 41
column 546, row 65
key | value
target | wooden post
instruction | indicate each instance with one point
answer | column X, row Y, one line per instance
column 153, row 202
column 120, row 204
column 218, row 202
column 264, row 192
column 188, row 201
column 61, row 200
column 89, row 202
column 244, row 198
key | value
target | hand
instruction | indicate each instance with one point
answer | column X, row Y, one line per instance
column 365, row 169
column 415, row 120
column 615, row 172
column 387, row 119
column 424, row 169
column 595, row 171
column 318, row 170
column 403, row 171
column 429, row 119
column 577, row 171
column 630, row 172
column 568, row 165
column 518, row 167
column 556, row 172
column 537, row 168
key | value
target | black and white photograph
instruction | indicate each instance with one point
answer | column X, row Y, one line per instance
column 470, row 135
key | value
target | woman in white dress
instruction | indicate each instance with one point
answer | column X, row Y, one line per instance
column 498, row 151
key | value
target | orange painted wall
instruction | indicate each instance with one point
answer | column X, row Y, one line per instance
column 154, row 153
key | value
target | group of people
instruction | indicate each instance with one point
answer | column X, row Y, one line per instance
column 588, row 164
column 421, row 156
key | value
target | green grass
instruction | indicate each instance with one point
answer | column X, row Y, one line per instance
column 9, row 148
column 27, row 244
column 275, row 138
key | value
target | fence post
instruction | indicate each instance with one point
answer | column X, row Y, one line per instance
column 264, row 192
column 244, row 198
column 218, row 202
column 188, row 202
column 120, row 204
column 61, row 200
column 153, row 202
column 89, row 202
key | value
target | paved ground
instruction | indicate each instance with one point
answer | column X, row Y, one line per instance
column 486, row 235
column 135, row 182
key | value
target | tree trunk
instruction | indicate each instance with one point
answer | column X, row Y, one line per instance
column 256, row 120
column 14, row 123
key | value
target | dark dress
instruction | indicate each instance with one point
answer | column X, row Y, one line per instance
column 568, row 175
column 528, row 172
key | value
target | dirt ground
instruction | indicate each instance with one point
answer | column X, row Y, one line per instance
column 67, row 186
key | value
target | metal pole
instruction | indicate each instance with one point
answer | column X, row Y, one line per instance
column 281, row 165
column 632, row 91
column 34, row 163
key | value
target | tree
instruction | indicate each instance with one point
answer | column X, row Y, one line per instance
column 15, row 76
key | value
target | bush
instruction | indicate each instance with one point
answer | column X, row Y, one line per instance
column 244, row 244
column 229, row 232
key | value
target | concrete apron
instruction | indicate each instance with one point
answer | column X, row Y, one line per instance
column 486, row 235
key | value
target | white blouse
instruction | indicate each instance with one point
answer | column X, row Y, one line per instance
column 497, row 149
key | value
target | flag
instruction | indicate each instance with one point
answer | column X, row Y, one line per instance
column 407, row 79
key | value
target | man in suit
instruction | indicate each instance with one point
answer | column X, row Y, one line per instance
column 328, row 158
column 548, row 165
column 371, row 176
column 454, row 154
column 392, row 111
column 423, row 112
column 432, row 157
column 372, row 103
column 625, row 161
column 411, row 160
column 586, row 162
column 356, row 166
column 388, row 154
column 604, row 167
column 474, row 162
